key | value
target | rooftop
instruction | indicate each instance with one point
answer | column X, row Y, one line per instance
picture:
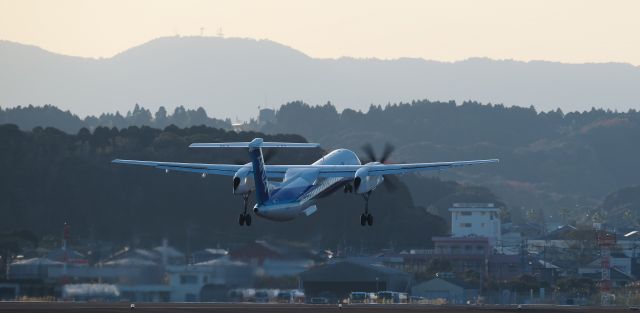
column 473, row 205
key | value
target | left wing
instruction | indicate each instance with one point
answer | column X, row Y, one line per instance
column 390, row 169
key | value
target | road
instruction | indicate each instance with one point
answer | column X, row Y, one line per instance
column 52, row 307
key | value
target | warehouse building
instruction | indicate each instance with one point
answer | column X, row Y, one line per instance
column 337, row 280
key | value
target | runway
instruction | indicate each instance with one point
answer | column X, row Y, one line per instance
column 285, row 308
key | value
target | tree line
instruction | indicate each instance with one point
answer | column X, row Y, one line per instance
column 50, row 177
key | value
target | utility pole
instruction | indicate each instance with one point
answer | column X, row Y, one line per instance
column 605, row 241
column 66, row 233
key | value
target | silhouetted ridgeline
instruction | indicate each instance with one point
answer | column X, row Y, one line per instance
column 231, row 76
column 49, row 177
column 50, row 116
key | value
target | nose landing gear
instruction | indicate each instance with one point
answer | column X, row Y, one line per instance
column 366, row 218
column 245, row 218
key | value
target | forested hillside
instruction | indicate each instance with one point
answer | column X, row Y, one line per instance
column 49, row 177
column 30, row 116
column 621, row 207
column 548, row 160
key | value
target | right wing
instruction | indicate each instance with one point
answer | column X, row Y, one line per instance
column 375, row 169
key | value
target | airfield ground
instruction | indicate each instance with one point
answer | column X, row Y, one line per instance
column 276, row 308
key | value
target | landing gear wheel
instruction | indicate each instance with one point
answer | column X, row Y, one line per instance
column 366, row 217
column 244, row 219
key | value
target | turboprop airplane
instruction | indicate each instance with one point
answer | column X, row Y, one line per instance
column 301, row 185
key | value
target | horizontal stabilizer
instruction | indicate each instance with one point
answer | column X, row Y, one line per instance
column 254, row 144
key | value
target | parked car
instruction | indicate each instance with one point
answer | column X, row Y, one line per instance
column 242, row 295
column 363, row 297
column 266, row 295
column 392, row 297
column 290, row 296
column 319, row 300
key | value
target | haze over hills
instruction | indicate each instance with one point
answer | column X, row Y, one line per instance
column 230, row 77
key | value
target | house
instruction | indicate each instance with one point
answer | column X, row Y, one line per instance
column 464, row 253
column 620, row 269
column 205, row 255
column 451, row 290
column 618, row 278
column 169, row 255
column 67, row 255
column 32, row 269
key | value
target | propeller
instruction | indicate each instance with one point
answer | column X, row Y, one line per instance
column 390, row 182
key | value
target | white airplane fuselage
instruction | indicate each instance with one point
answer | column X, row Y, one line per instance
column 297, row 193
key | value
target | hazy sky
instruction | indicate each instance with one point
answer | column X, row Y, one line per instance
column 569, row 31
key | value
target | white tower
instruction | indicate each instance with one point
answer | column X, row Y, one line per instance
column 476, row 219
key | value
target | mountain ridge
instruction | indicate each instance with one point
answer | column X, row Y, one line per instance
column 230, row 77
column 474, row 58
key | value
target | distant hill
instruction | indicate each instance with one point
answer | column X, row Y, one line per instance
column 30, row 117
column 231, row 77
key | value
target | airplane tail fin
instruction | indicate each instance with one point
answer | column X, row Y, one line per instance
column 257, row 159
column 259, row 175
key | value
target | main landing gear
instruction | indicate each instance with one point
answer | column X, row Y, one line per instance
column 366, row 217
column 245, row 218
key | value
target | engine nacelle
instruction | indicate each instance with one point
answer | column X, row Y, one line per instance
column 242, row 181
column 363, row 183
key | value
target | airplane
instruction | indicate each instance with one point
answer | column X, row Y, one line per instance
column 301, row 185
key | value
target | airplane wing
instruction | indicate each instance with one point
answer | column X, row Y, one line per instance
column 390, row 169
column 217, row 169
column 273, row 171
column 279, row 171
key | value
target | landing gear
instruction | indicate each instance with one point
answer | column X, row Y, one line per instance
column 366, row 217
column 348, row 188
column 245, row 218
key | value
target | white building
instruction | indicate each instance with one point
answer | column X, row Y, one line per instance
column 476, row 219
